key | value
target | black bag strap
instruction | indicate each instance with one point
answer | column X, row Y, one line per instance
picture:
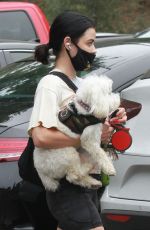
column 66, row 79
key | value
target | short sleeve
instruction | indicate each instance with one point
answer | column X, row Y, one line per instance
column 45, row 109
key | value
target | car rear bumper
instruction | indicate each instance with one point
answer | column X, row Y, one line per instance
column 125, row 220
column 123, row 214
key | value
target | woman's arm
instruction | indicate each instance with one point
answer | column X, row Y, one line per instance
column 52, row 138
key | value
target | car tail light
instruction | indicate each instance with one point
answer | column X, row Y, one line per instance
column 118, row 218
column 11, row 148
column 132, row 108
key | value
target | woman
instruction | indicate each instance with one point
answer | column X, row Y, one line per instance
column 72, row 39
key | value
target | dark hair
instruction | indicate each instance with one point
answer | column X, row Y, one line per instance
column 70, row 24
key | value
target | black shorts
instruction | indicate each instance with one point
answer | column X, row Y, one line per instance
column 74, row 207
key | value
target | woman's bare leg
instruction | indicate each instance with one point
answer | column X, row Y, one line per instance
column 98, row 228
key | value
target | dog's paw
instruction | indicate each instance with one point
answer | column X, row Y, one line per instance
column 96, row 185
column 71, row 177
column 90, row 182
column 106, row 165
column 109, row 170
column 50, row 184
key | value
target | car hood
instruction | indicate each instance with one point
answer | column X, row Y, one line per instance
column 113, row 56
column 113, row 61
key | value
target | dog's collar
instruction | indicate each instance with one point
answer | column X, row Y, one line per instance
column 90, row 117
column 84, row 105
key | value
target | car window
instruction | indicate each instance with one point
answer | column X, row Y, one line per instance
column 144, row 35
column 16, row 25
column 18, row 83
column 2, row 59
column 146, row 75
column 17, row 55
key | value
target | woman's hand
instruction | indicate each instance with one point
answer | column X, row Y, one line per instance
column 120, row 117
column 107, row 131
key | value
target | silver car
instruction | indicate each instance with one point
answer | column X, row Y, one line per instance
column 125, row 203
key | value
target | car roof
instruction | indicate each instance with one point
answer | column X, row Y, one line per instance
column 105, row 34
column 17, row 44
column 15, row 4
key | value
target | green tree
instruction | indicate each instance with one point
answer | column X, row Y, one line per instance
column 125, row 16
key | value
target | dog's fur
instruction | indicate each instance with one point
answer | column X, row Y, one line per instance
column 54, row 164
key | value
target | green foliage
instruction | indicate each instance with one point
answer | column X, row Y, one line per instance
column 125, row 16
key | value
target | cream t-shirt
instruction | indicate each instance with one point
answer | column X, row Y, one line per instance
column 51, row 94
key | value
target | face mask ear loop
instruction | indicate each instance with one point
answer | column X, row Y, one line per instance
column 68, row 52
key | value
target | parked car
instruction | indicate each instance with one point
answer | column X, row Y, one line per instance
column 109, row 39
column 128, row 65
column 11, row 51
column 125, row 203
column 23, row 21
column 107, row 35
column 143, row 34
column 105, row 39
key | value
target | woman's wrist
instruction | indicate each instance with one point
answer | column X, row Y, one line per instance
column 107, row 132
column 76, row 142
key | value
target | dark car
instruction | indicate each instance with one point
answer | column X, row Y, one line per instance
column 11, row 51
column 17, row 86
column 125, row 64
column 109, row 39
column 105, row 39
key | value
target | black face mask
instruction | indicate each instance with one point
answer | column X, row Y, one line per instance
column 82, row 60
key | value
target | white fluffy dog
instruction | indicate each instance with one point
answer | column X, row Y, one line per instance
column 93, row 97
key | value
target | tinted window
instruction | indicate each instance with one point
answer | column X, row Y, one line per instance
column 15, row 56
column 146, row 75
column 17, row 87
column 144, row 35
column 16, row 25
column 2, row 59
